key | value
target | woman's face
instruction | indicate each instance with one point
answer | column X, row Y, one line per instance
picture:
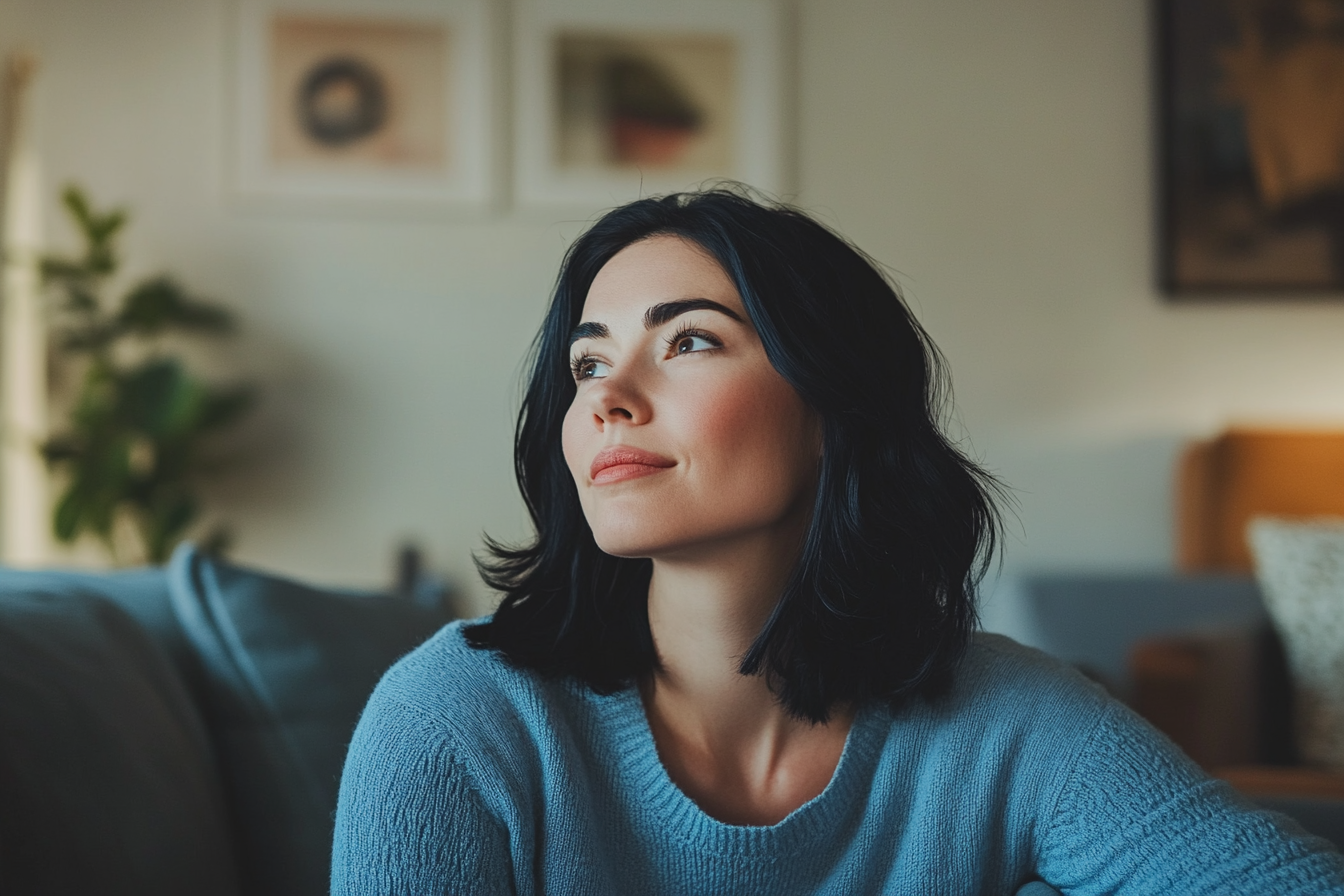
column 682, row 436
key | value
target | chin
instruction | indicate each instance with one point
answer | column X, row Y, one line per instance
column 637, row 524
column 643, row 534
column 660, row 535
column 628, row 541
column 662, row 528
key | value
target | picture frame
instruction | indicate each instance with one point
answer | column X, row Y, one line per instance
column 616, row 99
column 364, row 103
column 1251, row 100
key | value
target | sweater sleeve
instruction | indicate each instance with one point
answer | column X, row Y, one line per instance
column 409, row 819
column 1135, row 816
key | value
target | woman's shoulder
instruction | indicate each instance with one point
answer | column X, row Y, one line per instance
column 1004, row 684
column 452, row 736
column 996, row 665
column 446, row 684
column 1003, row 735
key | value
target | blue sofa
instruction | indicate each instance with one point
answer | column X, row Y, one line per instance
column 182, row 730
column 1095, row 621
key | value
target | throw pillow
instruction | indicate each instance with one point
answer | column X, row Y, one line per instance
column 141, row 592
column 288, row 668
column 1300, row 565
column 107, row 780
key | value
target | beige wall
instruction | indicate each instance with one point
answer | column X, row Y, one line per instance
column 996, row 154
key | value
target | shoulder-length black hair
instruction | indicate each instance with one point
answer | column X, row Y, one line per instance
column 880, row 604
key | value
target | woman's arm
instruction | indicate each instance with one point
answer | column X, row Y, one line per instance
column 1137, row 817
column 409, row 820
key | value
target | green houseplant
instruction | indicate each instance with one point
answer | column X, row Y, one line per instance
column 134, row 445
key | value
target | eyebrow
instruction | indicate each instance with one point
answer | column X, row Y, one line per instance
column 655, row 316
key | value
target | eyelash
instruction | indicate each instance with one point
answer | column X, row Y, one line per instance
column 689, row 330
column 577, row 366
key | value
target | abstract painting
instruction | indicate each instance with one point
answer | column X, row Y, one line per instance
column 372, row 101
column 360, row 93
column 661, row 102
column 1252, row 145
column 620, row 98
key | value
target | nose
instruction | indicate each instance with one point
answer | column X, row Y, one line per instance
column 618, row 397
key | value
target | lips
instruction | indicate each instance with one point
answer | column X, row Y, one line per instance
column 621, row 462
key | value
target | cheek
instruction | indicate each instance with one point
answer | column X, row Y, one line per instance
column 571, row 441
column 756, row 427
column 729, row 420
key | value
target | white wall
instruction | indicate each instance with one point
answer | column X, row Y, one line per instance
column 997, row 155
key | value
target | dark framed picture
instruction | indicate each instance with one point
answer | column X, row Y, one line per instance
column 1252, row 155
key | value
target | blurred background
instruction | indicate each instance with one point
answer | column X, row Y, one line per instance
column 1000, row 157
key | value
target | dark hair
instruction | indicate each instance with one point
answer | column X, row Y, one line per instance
column 880, row 604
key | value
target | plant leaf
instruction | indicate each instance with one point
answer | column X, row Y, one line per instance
column 98, row 230
column 75, row 202
column 61, row 449
column 166, row 521
column 159, row 303
column 54, row 269
column 162, row 400
column 223, row 407
column 66, row 520
column 132, row 447
column 89, row 338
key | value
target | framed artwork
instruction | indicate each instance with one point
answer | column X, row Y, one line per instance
column 622, row 98
column 368, row 101
column 1252, row 156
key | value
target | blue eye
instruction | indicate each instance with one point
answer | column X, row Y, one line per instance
column 589, row 368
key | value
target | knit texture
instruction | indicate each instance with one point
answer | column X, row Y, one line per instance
column 466, row 775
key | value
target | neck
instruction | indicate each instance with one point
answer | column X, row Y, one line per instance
column 723, row 737
column 706, row 607
column 704, row 617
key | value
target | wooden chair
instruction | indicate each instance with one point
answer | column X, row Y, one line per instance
column 1225, row 696
column 1223, row 482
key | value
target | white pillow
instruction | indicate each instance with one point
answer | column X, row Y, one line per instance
column 1300, row 567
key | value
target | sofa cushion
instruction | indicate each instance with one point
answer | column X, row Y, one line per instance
column 288, row 669
column 1093, row 619
column 1300, row 564
column 1319, row 816
column 107, row 780
column 143, row 593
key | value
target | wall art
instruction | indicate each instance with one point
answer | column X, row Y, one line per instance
column 368, row 101
column 621, row 98
column 1252, row 155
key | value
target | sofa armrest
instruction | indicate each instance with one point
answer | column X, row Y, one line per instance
column 1285, row 781
column 1206, row 691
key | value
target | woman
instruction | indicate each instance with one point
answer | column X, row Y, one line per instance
column 738, row 657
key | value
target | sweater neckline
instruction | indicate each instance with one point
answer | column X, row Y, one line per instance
column 671, row 809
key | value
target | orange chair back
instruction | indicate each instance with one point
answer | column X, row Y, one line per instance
column 1223, row 482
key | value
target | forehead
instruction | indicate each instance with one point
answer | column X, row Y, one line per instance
column 657, row 269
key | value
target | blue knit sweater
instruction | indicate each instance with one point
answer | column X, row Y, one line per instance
column 466, row 775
